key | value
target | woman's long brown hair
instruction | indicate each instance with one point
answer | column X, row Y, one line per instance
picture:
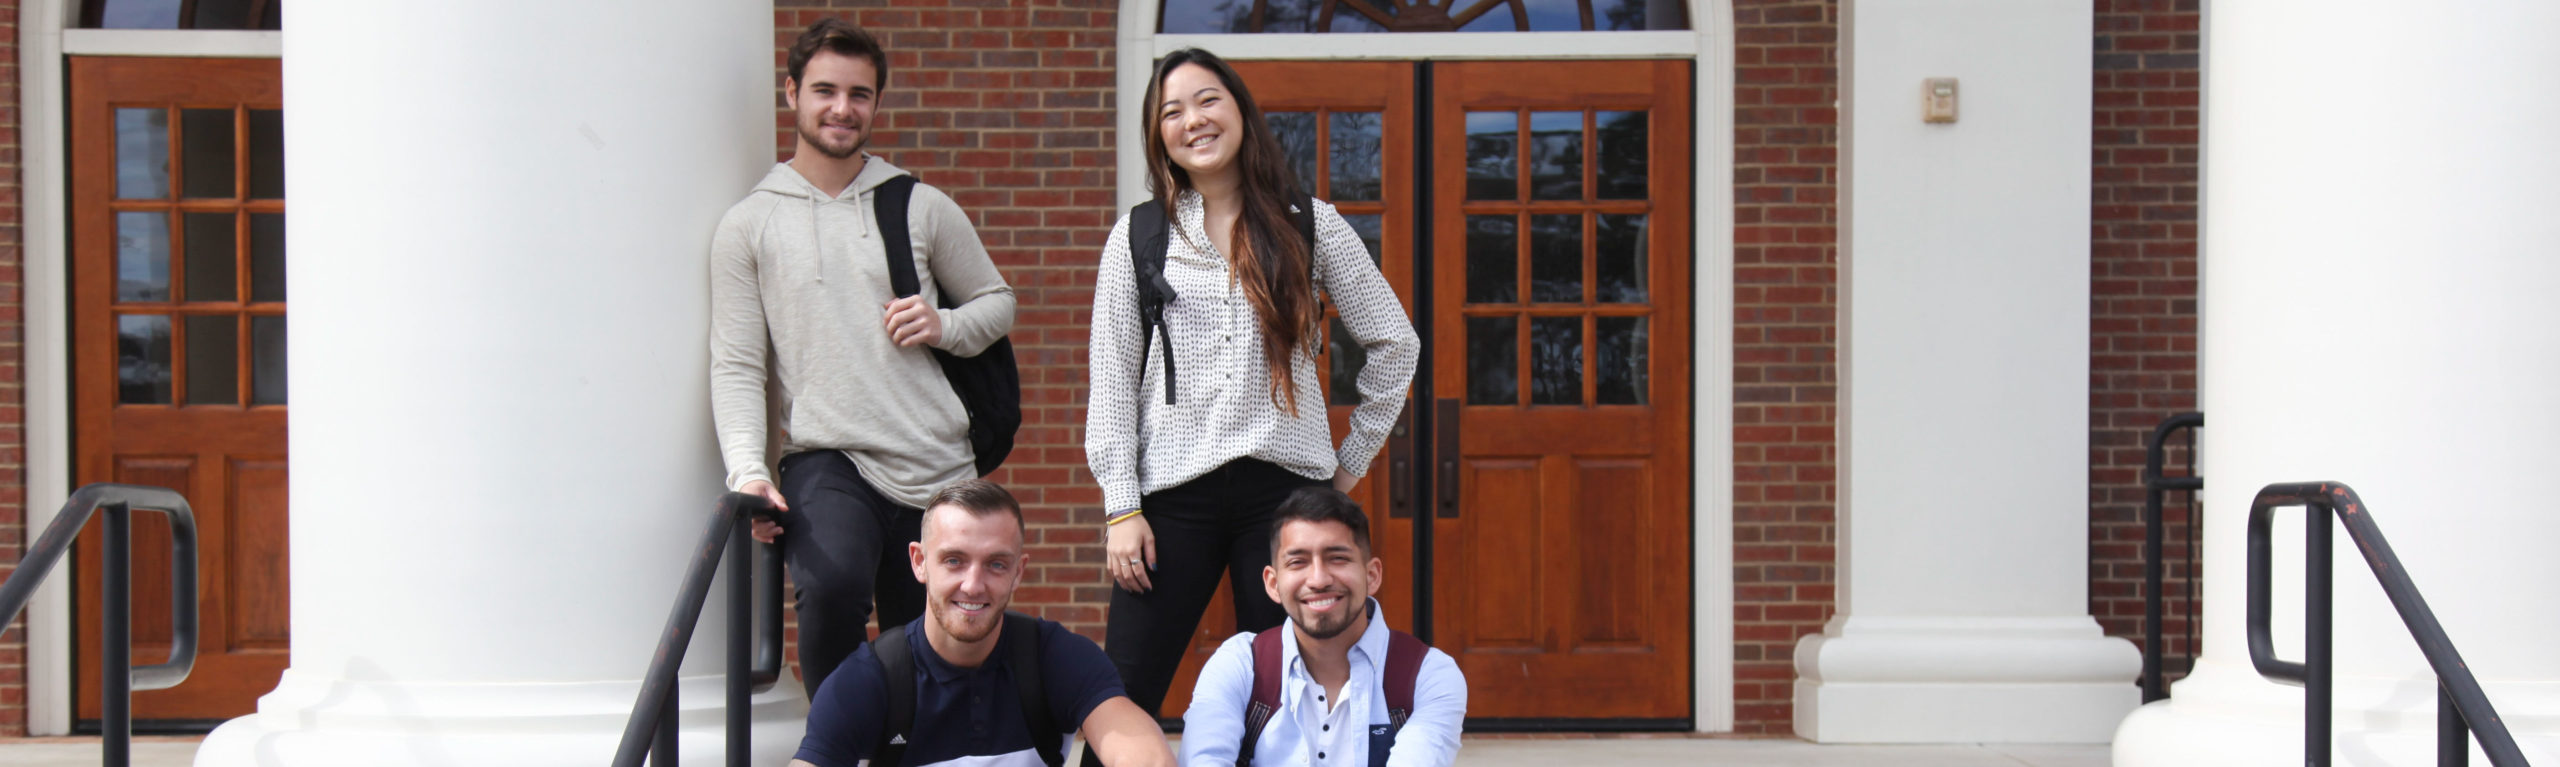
column 1269, row 261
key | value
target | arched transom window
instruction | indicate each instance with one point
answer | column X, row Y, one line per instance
column 1250, row 16
column 180, row 14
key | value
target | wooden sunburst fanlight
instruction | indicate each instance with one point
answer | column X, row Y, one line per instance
column 1251, row 16
column 1428, row 16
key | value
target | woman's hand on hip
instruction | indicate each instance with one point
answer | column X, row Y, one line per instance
column 1343, row 481
column 1129, row 551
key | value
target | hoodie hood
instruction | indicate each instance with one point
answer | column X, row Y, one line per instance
column 786, row 182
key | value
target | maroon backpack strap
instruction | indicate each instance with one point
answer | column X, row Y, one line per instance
column 1404, row 665
column 1266, row 690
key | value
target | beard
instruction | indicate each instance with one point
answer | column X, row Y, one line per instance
column 956, row 623
column 810, row 134
column 1341, row 621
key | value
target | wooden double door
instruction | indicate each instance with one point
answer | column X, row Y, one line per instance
column 1535, row 219
column 178, row 358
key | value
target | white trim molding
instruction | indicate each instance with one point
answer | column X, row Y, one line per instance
column 1710, row 43
column 208, row 43
column 47, row 345
column 1711, row 374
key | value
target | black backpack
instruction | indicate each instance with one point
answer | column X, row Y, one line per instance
column 898, row 666
column 1147, row 243
column 989, row 385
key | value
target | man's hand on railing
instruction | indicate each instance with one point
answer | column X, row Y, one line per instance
column 766, row 530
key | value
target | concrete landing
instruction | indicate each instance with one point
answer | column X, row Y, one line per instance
column 1489, row 751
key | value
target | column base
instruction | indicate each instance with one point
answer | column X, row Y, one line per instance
column 2224, row 714
column 311, row 721
column 1963, row 680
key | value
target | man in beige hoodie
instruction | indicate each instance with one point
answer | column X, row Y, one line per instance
column 807, row 333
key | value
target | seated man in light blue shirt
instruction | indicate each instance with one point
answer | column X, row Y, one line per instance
column 1333, row 686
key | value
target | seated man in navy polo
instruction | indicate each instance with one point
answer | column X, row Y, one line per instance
column 968, row 700
column 1333, row 686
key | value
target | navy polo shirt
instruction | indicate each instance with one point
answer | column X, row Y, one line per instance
column 961, row 713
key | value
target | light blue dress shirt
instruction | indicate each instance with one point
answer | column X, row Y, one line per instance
column 1304, row 733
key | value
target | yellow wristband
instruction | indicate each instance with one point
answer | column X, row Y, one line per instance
column 1121, row 517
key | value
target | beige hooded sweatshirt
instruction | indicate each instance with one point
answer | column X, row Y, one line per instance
column 803, row 275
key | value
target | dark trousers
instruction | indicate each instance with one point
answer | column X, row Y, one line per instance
column 843, row 543
column 1218, row 524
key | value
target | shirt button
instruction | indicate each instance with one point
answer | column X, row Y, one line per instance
column 1328, row 728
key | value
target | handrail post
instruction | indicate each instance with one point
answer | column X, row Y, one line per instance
column 2153, row 487
column 742, row 610
column 2315, row 649
column 662, row 748
column 2453, row 736
column 2152, row 688
column 115, row 661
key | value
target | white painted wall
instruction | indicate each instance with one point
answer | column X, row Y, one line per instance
column 501, row 454
column 2377, row 311
column 1964, row 384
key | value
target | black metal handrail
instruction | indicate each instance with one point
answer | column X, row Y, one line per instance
column 651, row 732
column 2460, row 703
column 2154, row 485
column 118, row 678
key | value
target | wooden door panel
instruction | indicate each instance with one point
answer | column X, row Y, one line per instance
column 174, row 234
column 1615, row 595
column 1561, row 583
column 1501, row 573
column 255, row 587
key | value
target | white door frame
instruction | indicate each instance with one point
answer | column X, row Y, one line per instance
column 1710, row 43
column 45, row 36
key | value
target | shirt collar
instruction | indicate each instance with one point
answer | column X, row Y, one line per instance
column 1372, row 644
column 935, row 668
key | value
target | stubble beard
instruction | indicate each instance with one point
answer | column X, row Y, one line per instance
column 1358, row 614
column 957, row 624
column 810, row 137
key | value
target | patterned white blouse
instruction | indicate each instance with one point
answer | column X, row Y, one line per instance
column 1136, row 444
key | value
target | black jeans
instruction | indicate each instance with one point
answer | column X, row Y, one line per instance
column 1217, row 524
column 843, row 542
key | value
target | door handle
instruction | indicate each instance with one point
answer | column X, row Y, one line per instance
column 1400, row 467
column 1445, row 450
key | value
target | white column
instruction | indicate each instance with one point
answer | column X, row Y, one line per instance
column 501, row 446
column 2379, row 261
column 1964, row 345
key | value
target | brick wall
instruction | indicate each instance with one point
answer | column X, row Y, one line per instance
column 1785, row 344
column 13, row 439
column 1008, row 105
column 2142, row 313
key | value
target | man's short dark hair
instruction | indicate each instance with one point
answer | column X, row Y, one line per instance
column 978, row 497
column 1320, row 503
column 842, row 37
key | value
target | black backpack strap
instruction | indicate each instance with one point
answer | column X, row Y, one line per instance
column 1266, row 690
column 898, row 670
column 1023, row 648
column 889, row 206
column 1147, row 235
